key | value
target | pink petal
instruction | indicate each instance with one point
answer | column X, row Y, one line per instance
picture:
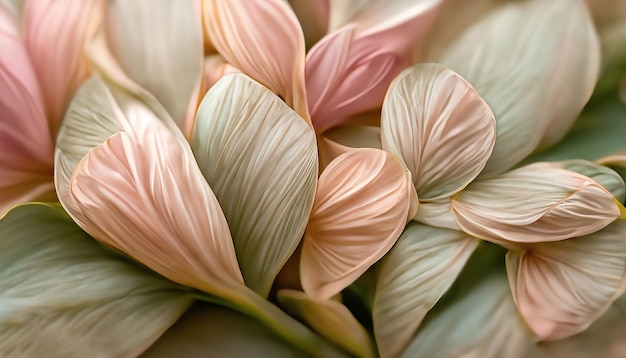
column 349, row 71
column 26, row 148
column 362, row 203
column 560, row 288
column 264, row 40
column 534, row 203
column 56, row 32
column 439, row 126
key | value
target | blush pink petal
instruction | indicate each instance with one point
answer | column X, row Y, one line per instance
column 363, row 202
column 264, row 40
column 438, row 125
column 349, row 70
column 26, row 148
column 56, row 33
column 535, row 203
column 561, row 288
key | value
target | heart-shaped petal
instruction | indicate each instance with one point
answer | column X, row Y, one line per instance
column 412, row 277
column 260, row 159
column 363, row 201
column 159, row 45
column 525, row 61
column 330, row 319
column 440, row 127
column 63, row 294
column 535, row 203
column 26, row 147
column 56, row 32
column 560, row 288
column 141, row 191
column 264, row 40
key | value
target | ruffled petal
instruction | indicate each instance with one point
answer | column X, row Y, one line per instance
column 363, row 202
column 412, row 277
column 260, row 159
column 560, row 288
column 439, row 126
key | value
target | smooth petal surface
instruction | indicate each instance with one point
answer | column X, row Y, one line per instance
column 362, row 203
column 264, row 40
column 348, row 71
column 534, row 203
column 525, row 61
column 56, row 33
column 142, row 192
column 26, row 148
column 437, row 213
column 260, row 159
column 412, row 277
column 63, row 294
column 330, row 319
column 560, row 288
column 440, row 127
column 481, row 323
column 159, row 45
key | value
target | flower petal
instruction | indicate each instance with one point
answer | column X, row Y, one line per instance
column 481, row 323
column 260, row 159
column 264, row 40
column 159, row 45
column 363, row 202
column 534, row 203
column 26, row 147
column 525, row 61
column 56, row 32
column 63, row 293
column 331, row 319
column 560, row 288
column 412, row 277
column 440, row 127
column 141, row 192
column 604, row 176
column 437, row 213
column 313, row 17
column 348, row 71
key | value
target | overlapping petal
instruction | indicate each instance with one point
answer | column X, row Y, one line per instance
column 331, row 319
column 560, row 288
column 260, row 158
column 26, row 147
column 264, row 40
column 603, row 175
column 534, row 203
column 439, row 126
column 412, row 277
column 314, row 17
column 159, row 44
column 348, row 71
column 525, row 60
column 56, row 33
column 63, row 294
column 141, row 192
column 437, row 213
column 363, row 201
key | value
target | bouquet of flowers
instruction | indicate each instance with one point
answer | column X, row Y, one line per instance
column 329, row 178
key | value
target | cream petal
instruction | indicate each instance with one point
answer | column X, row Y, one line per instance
column 159, row 44
column 66, row 295
column 604, row 176
column 362, row 203
column 481, row 323
column 56, row 32
column 141, row 192
column 264, row 40
column 560, row 288
column 26, row 147
column 412, row 277
column 260, row 158
column 525, row 61
column 329, row 318
column 534, row 203
column 437, row 213
column 348, row 71
column 440, row 127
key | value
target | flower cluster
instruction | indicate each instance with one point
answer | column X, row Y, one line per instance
column 331, row 178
